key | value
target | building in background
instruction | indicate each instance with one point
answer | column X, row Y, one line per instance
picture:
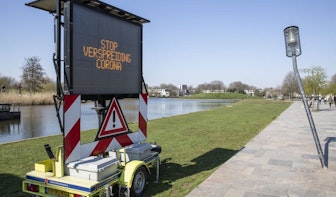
column 158, row 92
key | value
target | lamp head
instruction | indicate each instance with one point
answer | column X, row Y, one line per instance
column 292, row 41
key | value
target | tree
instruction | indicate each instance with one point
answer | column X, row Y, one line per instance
column 201, row 88
column 271, row 92
column 9, row 82
column 214, row 86
column 49, row 85
column 238, row 86
column 333, row 79
column 217, row 85
column 290, row 85
column 331, row 87
column 315, row 80
column 173, row 90
column 259, row 93
column 33, row 74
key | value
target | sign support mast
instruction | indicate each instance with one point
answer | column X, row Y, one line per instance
column 58, row 98
column 57, row 41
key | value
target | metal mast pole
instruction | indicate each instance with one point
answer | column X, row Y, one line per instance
column 309, row 115
column 57, row 62
column 57, row 33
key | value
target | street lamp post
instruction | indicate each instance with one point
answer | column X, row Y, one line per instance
column 293, row 49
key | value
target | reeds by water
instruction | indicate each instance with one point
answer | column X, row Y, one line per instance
column 43, row 98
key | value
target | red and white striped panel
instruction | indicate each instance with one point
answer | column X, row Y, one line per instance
column 74, row 151
column 143, row 98
column 71, row 117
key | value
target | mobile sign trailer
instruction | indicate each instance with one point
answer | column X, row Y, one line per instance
column 103, row 63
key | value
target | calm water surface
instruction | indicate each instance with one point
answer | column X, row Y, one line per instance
column 37, row 121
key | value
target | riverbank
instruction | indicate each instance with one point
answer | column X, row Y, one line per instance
column 194, row 145
column 40, row 120
column 224, row 95
column 46, row 98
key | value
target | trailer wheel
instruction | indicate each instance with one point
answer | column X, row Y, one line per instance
column 139, row 181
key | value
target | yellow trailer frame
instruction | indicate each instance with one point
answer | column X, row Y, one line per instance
column 44, row 180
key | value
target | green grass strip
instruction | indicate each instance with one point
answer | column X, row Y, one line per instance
column 193, row 146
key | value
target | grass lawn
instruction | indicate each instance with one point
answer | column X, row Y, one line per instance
column 193, row 146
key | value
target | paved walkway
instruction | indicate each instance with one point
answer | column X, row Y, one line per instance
column 281, row 161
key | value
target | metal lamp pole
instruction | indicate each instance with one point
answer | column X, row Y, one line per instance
column 293, row 49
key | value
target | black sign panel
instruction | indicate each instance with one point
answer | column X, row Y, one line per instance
column 103, row 53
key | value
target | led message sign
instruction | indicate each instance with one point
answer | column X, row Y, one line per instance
column 103, row 53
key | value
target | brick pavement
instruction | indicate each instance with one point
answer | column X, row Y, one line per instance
column 280, row 161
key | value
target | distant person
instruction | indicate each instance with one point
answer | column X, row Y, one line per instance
column 3, row 88
column 330, row 100
column 19, row 87
column 310, row 102
column 335, row 100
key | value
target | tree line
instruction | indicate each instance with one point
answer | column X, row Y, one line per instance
column 34, row 79
column 215, row 86
column 314, row 80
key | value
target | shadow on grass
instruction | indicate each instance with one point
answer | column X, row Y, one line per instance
column 11, row 186
column 170, row 172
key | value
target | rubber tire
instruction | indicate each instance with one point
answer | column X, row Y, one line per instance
column 139, row 181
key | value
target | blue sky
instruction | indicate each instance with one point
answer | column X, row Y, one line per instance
column 192, row 41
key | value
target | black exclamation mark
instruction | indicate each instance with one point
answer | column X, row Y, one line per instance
column 113, row 118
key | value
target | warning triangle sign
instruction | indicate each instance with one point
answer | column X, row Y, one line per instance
column 114, row 122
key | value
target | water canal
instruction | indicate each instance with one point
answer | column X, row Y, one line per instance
column 37, row 121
